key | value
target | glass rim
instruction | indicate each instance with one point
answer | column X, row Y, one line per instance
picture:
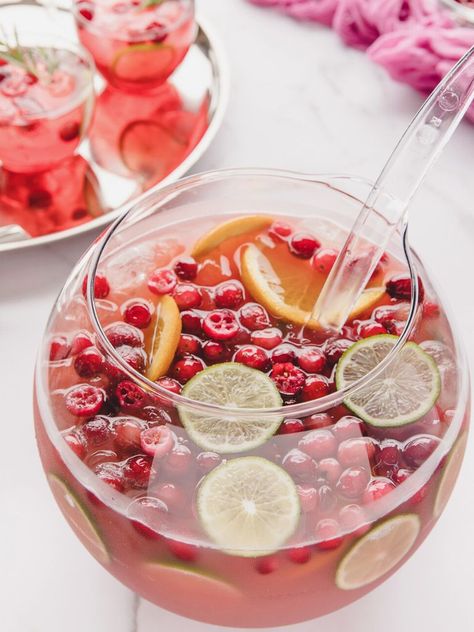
column 139, row 37
column 292, row 410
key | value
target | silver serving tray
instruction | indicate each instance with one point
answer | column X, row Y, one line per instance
column 203, row 73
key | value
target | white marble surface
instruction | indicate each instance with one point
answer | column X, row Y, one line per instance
column 299, row 101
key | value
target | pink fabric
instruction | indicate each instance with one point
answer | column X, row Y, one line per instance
column 321, row 11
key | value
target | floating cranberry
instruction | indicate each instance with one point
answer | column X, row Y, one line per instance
column 283, row 353
column 267, row 338
column 155, row 415
column 431, row 309
column 280, row 230
column 357, row 451
column 101, row 286
column 377, row 488
column 192, row 322
column 137, row 471
column 329, row 469
column 328, row 534
column 303, row 245
column 137, row 313
column 127, row 435
column 316, row 386
column 178, row 461
column 186, row 268
column 220, row 325
column 70, row 131
column 157, row 441
column 111, row 477
column 84, row 400
column 389, row 453
column 324, row 260
column 319, row 444
column 58, row 349
column 188, row 345
column 288, row 379
column 368, row 328
column 133, row 356
column 185, row 369
column 169, row 384
column 187, row 296
column 299, row 464
column 267, row 565
column 172, row 495
column 353, row 482
column 86, row 13
column 309, row 498
column 229, row 295
column 348, row 427
column 418, row 449
column 76, row 444
column 183, row 551
column 400, row 287
column 253, row 357
column 96, row 431
column 290, row 426
column 300, row 555
column 254, row 317
column 81, row 341
column 334, row 349
column 401, row 475
column 353, row 519
column 327, row 499
column 214, row 351
column 120, row 334
column 207, row 461
column 89, row 362
column 312, row 360
column 130, row 396
column 162, row 281
column 317, row 421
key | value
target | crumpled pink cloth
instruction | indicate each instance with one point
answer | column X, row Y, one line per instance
column 321, row 11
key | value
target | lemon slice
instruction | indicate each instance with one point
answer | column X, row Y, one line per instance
column 141, row 63
column 401, row 394
column 230, row 385
column 79, row 517
column 165, row 337
column 378, row 552
column 248, row 506
column 289, row 287
column 232, row 228
column 449, row 476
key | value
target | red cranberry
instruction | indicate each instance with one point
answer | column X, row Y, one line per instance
column 214, row 351
column 417, row 450
column 329, row 469
column 357, row 451
column 335, row 348
column 319, row 444
column 81, row 341
column 324, row 260
column 155, row 415
column 127, row 435
column 327, row 499
column 312, row 360
column 192, row 322
column 133, row 356
column 96, row 431
column 229, row 295
column 289, row 379
column 89, row 362
column 353, row 519
column 130, row 396
column 101, row 286
column 178, row 461
column 267, row 565
column 400, row 287
column 304, row 245
column 283, row 353
column 70, row 131
column 348, row 427
column 401, row 475
column 76, row 444
column 185, row 369
column 157, row 441
column 169, row 384
column 84, row 400
column 280, row 229
column 328, row 534
column 137, row 471
column 120, row 334
column 172, row 495
column 308, row 496
column 353, row 481
column 254, row 317
column 162, row 282
column 290, row 426
column 137, row 313
column 430, row 309
column 207, row 461
column 377, row 488
column 368, row 328
column 59, row 348
column 299, row 464
column 316, row 386
column 389, row 453
column 253, row 357
column 186, row 268
column 267, row 338
column 86, row 13
column 113, row 478
column 187, row 296
column 300, row 555
column 317, row 421
column 183, row 551
column 220, row 325
column 188, row 345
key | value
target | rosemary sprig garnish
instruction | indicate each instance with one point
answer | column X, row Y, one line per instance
column 39, row 61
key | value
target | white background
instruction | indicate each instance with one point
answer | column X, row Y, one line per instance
column 301, row 101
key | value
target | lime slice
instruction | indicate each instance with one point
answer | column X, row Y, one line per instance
column 230, row 385
column 378, row 552
column 143, row 63
column 248, row 506
column 449, row 476
column 403, row 392
column 79, row 517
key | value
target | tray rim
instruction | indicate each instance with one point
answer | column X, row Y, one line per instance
column 221, row 77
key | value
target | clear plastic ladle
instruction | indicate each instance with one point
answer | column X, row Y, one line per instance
column 386, row 206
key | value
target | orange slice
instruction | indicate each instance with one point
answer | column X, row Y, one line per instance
column 232, row 228
column 288, row 287
column 165, row 337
